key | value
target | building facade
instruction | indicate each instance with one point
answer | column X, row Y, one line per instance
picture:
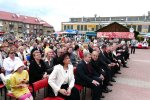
column 21, row 25
column 138, row 23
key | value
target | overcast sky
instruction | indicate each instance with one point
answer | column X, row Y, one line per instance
column 57, row 11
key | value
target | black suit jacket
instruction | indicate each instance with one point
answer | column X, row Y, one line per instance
column 104, row 58
column 109, row 56
column 97, row 67
column 83, row 76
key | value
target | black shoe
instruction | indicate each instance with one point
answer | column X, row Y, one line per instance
column 105, row 91
column 118, row 73
column 113, row 80
column 125, row 67
column 109, row 90
column 102, row 96
column 109, row 84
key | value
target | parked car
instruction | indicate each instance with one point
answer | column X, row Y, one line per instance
column 141, row 45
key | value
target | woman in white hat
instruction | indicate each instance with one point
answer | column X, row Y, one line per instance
column 19, row 83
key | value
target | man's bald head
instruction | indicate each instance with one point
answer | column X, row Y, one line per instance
column 95, row 55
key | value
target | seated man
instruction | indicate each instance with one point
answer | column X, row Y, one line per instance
column 84, row 76
column 120, row 55
column 97, row 67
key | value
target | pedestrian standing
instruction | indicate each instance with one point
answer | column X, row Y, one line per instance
column 133, row 44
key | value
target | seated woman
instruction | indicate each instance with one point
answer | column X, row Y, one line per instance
column 62, row 79
column 37, row 68
column 49, row 62
column 19, row 83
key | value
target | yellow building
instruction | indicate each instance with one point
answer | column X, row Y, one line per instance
column 138, row 23
column 80, row 26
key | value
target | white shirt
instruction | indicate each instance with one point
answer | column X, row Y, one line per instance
column 66, row 74
column 9, row 64
column 114, row 52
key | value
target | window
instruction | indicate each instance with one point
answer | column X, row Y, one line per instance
column 71, row 26
column 32, row 30
column 132, row 18
column 142, row 18
column 139, row 28
column 92, row 19
column 38, row 30
column 19, row 29
column 1, row 27
column 4, row 22
column 64, row 27
column 1, row 24
column 68, row 27
column 105, row 18
column 35, row 27
column 27, row 31
column 78, row 27
column 31, row 26
column 81, row 27
column 97, row 27
column 92, row 29
column 85, row 27
column 27, row 25
column 134, row 27
column 145, row 26
column 35, row 31
column 149, row 28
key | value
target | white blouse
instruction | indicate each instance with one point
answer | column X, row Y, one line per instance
column 66, row 73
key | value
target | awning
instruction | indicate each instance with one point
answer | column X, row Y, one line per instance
column 90, row 33
column 70, row 31
column 128, row 35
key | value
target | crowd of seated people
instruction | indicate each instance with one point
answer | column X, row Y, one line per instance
column 96, row 67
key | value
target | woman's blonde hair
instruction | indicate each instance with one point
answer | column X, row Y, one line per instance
column 20, row 47
column 85, row 45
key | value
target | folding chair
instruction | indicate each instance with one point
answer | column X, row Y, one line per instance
column 10, row 95
column 42, row 84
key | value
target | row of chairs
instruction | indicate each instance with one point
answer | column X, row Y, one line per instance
column 36, row 86
column 41, row 84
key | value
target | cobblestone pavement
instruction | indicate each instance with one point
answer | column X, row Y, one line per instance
column 132, row 84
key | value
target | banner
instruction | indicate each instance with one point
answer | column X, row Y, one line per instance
column 115, row 35
column 2, row 32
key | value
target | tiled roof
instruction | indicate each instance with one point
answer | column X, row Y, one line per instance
column 22, row 18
